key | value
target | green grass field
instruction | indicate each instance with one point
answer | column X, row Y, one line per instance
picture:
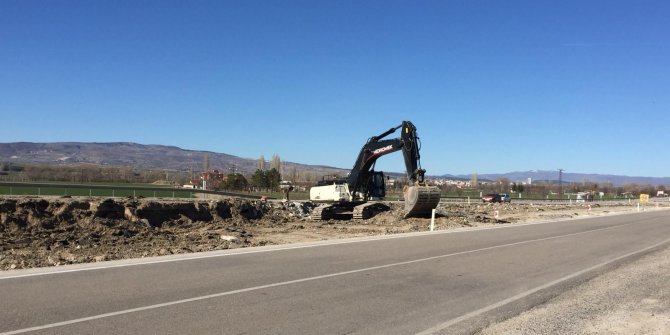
column 92, row 192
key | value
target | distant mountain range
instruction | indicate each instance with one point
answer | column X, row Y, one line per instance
column 143, row 156
column 135, row 155
column 552, row 176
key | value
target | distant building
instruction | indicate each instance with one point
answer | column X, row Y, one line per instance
column 212, row 177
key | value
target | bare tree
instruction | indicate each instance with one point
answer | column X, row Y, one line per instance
column 293, row 174
column 503, row 184
column 260, row 165
column 205, row 162
column 276, row 163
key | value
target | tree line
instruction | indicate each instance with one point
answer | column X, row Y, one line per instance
column 261, row 180
column 504, row 185
column 268, row 178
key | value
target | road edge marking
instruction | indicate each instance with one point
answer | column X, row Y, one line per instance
column 454, row 321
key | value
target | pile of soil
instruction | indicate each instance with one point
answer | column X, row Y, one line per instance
column 36, row 232
column 45, row 232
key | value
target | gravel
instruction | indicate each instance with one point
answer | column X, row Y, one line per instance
column 632, row 299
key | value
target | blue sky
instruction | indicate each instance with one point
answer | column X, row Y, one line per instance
column 492, row 86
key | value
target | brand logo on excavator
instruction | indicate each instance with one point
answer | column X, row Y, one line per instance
column 382, row 150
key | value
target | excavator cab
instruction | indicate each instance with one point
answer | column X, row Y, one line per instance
column 376, row 186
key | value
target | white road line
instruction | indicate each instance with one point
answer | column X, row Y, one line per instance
column 290, row 282
column 445, row 325
column 235, row 252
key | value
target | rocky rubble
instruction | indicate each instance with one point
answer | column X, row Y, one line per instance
column 40, row 232
column 37, row 232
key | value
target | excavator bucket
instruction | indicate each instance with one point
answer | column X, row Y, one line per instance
column 420, row 200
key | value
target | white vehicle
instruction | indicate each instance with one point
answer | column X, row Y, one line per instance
column 583, row 197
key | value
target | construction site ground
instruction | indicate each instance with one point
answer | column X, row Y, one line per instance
column 53, row 231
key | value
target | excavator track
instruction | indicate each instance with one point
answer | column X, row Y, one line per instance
column 420, row 200
column 368, row 210
column 322, row 213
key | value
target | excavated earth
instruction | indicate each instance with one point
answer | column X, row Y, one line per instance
column 37, row 232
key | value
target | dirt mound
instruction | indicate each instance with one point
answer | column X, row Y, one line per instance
column 39, row 232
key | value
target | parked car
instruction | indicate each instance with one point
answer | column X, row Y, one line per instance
column 504, row 197
column 582, row 197
column 491, row 197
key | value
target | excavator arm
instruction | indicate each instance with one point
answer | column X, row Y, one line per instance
column 411, row 147
column 376, row 147
column 359, row 177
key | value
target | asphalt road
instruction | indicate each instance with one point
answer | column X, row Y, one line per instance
column 453, row 282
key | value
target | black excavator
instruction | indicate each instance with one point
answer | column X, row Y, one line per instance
column 359, row 195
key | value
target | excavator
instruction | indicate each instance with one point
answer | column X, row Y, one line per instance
column 359, row 195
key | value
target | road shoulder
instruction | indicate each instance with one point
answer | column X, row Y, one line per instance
column 632, row 299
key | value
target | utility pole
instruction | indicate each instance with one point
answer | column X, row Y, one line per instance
column 560, row 183
column 205, row 163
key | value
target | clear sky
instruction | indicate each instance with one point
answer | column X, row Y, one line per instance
column 492, row 86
